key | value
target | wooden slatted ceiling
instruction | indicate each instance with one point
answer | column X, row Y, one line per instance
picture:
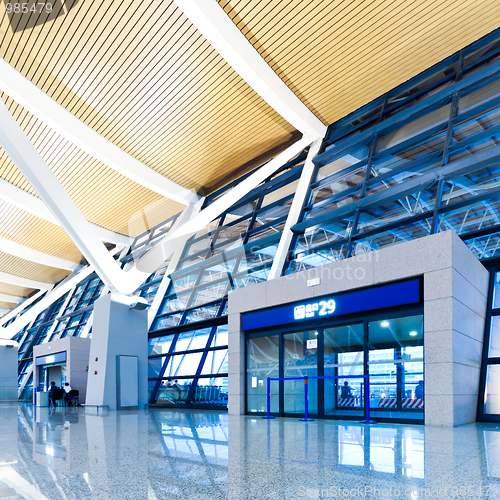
column 7, row 305
column 140, row 74
column 338, row 56
column 31, row 231
column 23, row 268
column 104, row 196
column 16, row 291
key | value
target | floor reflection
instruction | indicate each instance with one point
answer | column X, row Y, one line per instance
column 67, row 453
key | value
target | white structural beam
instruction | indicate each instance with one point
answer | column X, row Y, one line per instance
column 216, row 26
column 184, row 218
column 63, row 287
column 226, row 201
column 153, row 259
column 10, row 298
column 33, row 205
column 62, row 121
column 24, row 282
column 19, row 308
column 45, row 183
column 295, row 210
column 26, row 253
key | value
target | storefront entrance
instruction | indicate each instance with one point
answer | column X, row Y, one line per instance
column 387, row 347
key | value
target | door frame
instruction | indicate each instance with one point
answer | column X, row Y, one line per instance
column 320, row 326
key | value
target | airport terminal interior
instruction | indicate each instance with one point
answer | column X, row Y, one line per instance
column 249, row 249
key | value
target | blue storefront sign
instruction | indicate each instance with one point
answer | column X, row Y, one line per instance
column 396, row 294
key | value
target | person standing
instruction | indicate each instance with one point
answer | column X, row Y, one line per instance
column 67, row 388
column 52, row 388
column 419, row 390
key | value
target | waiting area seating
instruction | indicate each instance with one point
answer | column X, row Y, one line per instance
column 58, row 397
column 205, row 394
column 73, row 397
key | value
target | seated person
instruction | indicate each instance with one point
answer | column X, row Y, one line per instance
column 67, row 388
column 52, row 388
column 346, row 391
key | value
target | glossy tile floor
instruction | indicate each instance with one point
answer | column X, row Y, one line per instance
column 70, row 453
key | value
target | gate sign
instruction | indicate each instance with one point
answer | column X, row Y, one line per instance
column 396, row 294
column 316, row 309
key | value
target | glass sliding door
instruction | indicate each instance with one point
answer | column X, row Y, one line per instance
column 337, row 360
column 262, row 362
column 343, row 356
column 396, row 367
column 300, row 359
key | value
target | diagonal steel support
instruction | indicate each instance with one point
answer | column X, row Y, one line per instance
column 30, row 163
column 295, row 211
column 157, row 255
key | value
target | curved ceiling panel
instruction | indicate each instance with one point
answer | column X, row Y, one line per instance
column 17, row 291
column 142, row 76
column 338, row 56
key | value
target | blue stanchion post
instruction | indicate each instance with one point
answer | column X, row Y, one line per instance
column 367, row 401
column 306, row 396
column 268, row 416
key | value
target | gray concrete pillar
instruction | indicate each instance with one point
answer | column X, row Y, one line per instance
column 118, row 331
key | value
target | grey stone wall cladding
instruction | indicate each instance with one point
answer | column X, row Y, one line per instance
column 77, row 359
column 117, row 330
column 455, row 289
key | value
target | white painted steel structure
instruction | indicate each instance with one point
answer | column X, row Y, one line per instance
column 216, row 26
column 36, row 206
column 50, row 112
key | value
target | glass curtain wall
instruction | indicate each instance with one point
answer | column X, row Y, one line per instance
column 417, row 161
column 188, row 338
column 489, row 403
column 34, row 334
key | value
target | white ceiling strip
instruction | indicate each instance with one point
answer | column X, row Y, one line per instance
column 24, row 282
column 20, row 308
column 36, row 206
column 10, row 298
column 221, row 32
